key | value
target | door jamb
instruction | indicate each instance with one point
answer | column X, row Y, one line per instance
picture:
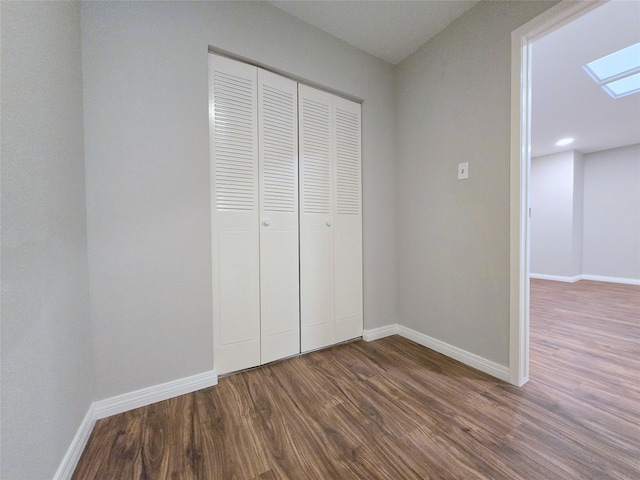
column 520, row 166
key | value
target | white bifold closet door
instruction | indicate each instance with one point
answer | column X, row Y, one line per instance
column 330, row 219
column 235, row 210
column 254, row 162
column 279, row 266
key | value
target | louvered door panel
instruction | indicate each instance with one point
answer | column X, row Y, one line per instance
column 348, row 221
column 279, row 267
column 316, row 219
column 347, row 134
column 235, row 213
column 234, row 150
column 316, row 156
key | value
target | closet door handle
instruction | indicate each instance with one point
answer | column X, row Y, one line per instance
column 266, row 223
column 329, row 223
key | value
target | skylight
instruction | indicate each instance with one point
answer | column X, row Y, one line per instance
column 624, row 86
column 619, row 72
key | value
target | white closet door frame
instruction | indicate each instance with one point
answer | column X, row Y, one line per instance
column 279, row 266
column 267, row 206
column 233, row 131
column 317, row 275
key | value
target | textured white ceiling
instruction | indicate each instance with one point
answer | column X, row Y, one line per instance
column 566, row 102
column 390, row 30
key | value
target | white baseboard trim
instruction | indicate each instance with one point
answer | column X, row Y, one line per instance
column 124, row 403
column 556, row 278
column 600, row 278
column 577, row 278
column 468, row 358
column 71, row 458
column 380, row 332
column 157, row 393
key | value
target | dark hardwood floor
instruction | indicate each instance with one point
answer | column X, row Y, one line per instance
column 392, row 409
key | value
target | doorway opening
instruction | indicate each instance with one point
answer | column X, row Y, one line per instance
column 521, row 82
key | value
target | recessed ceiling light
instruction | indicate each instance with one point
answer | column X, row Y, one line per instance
column 564, row 141
column 619, row 72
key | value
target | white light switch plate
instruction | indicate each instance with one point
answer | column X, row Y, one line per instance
column 463, row 170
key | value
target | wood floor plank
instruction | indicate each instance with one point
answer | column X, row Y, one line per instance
column 168, row 423
column 361, row 447
column 392, row 409
column 207, row 429
column 238, row 448
column 116, row 448
column 289, row 436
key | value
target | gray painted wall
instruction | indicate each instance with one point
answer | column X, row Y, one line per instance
column 612, row 213
column 586, row 214
column 556, row 201
column 147, row 161
column 47, row 373
column 453, row 105
column 578, row 209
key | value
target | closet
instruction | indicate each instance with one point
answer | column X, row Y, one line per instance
column 286, row 216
